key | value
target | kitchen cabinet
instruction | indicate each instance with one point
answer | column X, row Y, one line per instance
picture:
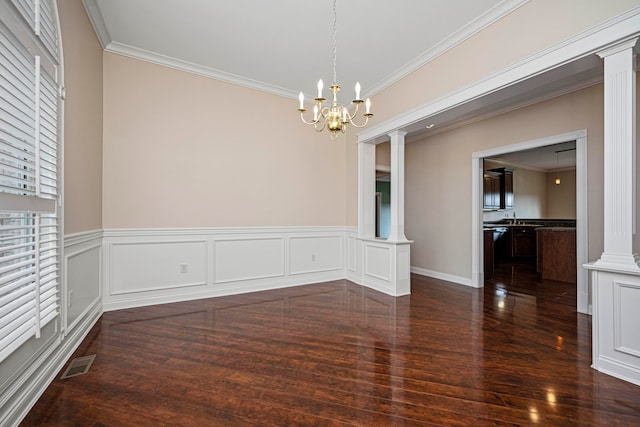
column 523, row 242
column 491, row 190
column 506, row 189
column 498, row 189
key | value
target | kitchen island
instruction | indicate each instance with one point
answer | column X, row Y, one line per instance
column 556, row 253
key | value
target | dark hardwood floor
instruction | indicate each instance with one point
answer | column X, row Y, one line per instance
column 513, row 353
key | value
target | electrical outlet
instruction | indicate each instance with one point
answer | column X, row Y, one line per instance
column 313, row 257
column 184, row 268
column 70, row 299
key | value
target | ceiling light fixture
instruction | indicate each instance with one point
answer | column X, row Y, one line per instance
column 335, row 117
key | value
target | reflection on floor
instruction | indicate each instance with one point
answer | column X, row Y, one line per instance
column 513, row 353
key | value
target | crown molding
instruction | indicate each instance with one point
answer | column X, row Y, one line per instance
column 593, row 40
column 167, row 61
column 97, row 21
column 108, row 45
column 492, row 15
column 481, row 22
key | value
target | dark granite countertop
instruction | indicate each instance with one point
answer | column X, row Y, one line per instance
column 556, row 228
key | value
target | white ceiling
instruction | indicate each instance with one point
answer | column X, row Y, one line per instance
column 285, row 46
column 544, row 159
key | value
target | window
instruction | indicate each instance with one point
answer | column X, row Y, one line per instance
column 30, row 234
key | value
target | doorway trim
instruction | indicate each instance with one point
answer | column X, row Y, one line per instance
column 582, row 229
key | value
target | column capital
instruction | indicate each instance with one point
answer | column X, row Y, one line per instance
column 397, row 133
column 618, row 47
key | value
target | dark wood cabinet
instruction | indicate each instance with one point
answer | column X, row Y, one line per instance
column 557, row 254
column 491, row 190
column 501, row 244
column 498, row 189
column 523, row 242
column 488, row 254
column 506, row 189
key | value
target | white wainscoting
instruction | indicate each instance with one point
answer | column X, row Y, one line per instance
column 616, row 322
column 246, row 258
column 626, row 302
column 354, row 257
column 155, row 266
column 312, row 254
column 81, row 286
column 138, row 266
column 384, row 265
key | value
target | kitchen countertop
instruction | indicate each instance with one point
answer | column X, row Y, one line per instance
column 556, row 228
column 525, row 225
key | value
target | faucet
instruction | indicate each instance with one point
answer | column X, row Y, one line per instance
column 514, row 218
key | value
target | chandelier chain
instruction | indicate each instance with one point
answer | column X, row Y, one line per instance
column 335, row 54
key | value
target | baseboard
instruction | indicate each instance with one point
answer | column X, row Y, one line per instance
column 442, row 276
column 141, row 300
column 618, row 369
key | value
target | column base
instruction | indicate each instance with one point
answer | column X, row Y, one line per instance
column 386, row 266
column 618, row 262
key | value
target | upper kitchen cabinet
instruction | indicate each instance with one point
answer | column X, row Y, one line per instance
column 498, row 189
column 491, row 190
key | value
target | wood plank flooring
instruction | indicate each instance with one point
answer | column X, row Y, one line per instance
column 513, row 353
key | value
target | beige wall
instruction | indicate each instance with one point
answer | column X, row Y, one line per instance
column 530, row 29
column 181, row 150
column 438, row 176
column 561, row 199
column 528, row 186
column 82, row 120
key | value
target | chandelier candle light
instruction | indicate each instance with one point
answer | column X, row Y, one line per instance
column 335, row 117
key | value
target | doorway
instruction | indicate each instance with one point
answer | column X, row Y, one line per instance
column 580, row 138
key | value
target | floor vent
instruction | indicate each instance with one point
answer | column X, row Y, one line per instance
column 78, row 366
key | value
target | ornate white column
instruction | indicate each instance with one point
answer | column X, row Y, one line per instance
column 397, row 187
column 619, row 157
column 616, row 275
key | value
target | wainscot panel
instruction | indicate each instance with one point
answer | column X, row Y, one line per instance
column 378, row 262
column 626, row 303
column 247, row 258
column 315, row 254
column 82, row 270
column 157, row 266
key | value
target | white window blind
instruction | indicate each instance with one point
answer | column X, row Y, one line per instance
column 29, row 173
column 40, row 15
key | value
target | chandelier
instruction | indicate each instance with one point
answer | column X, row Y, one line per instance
column 334, row 117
